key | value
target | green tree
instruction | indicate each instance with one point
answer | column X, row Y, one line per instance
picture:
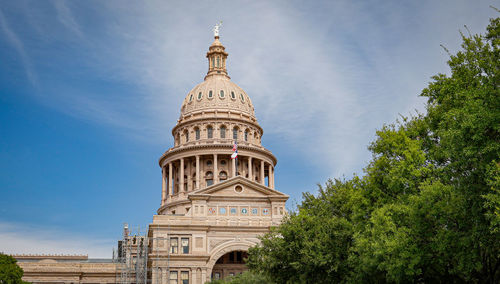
column 427, row 208
column 247, row 277
column 10, row 272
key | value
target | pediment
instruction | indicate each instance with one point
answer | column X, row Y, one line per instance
column 238, row 187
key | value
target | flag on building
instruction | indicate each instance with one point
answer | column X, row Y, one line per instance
column 235, row 151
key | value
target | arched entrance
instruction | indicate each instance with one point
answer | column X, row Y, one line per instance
column 222, row 253
column 229, row 264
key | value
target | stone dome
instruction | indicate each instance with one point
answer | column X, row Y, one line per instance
column 217, row 92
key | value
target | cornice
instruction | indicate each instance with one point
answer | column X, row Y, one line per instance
column 177, row 150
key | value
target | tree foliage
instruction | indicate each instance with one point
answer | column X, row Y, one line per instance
column 426, row 209
column 10, row 272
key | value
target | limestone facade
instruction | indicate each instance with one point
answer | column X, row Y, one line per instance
column 213, row 207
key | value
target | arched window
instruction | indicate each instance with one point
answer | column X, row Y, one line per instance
column 222, row 176
column 222, row 132
column 210, row 94
column 213, row 62
column 235, row 133
column 197, row 133
column 186, row 134
column 200, row 95
column 242, row 98
column 246, row 135
column 210, row 132
column 218, row 62
column 209, row 178
column 191, row 98
column 233, row 96
column 221, row 94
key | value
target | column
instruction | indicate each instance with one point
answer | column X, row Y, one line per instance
column 216, row 170
column 262, row 177
column 271, row 176
column 197, row 171
column 170, row 178
column 250, row 168
column 163, row 185
column 233, row 167
column 181, row 178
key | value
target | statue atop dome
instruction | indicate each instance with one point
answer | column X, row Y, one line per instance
column 216, row 29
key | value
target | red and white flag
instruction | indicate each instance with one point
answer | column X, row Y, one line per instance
column 235, row 151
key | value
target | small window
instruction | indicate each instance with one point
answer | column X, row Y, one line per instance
column 221, row 94
column 173, row 277
column 210, row 132
column 200, row 95
column 235, row 133
column 223, row 176
column 213, row 62
column 222, row 132
column 210, row 94
column 197, row 133
column 209, row 163
column 223, row 162
column 191, row 98
column 185, row 245
column 233, row 96
column 242, row 98
column 218, row 62
column 185, row 277
column 246, row 135
column 174, row 245
column 209, row 178
column 186, row 133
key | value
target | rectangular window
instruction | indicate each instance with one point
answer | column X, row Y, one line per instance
column 185, row 277
column 174, row 245
column 210, row 132
column 210, row 182
column 173, row 277
column 222, row 132
column 197, row 133
column 185, row 245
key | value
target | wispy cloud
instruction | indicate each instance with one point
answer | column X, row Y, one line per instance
column 65, row 16
column 27, row 239
column 322, row 77
column 18, row 45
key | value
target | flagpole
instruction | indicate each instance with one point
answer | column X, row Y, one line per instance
column 236, row 142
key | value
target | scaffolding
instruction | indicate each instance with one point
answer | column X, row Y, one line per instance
column 139, row 257
column 132, row 258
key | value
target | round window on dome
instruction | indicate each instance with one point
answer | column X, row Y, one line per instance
column 191, row 98
column 242, row 98
column 200, row 95
column 210, row 94
column 221, row 94
column 233, row 96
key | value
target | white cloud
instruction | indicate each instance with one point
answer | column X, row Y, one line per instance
column 18, row 45
column 28, row 239
column 322, row 78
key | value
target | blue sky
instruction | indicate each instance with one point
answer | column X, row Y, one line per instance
column 90, row 90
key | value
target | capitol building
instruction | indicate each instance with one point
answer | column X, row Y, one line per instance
column 217, row 197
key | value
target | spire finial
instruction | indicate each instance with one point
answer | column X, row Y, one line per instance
column 216, row 29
